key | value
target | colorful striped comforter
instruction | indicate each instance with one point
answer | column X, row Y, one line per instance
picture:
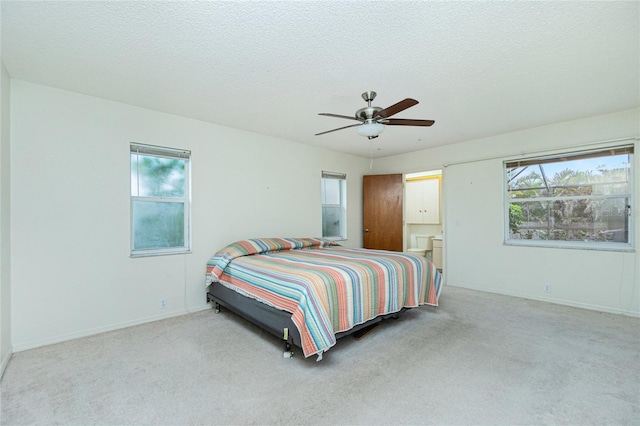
column 327, row 288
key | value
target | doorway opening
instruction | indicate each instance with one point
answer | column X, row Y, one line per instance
column 423, row 215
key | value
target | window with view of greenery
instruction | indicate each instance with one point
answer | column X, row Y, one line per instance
column 160, row 218
column 334, row 205
column 581, row 199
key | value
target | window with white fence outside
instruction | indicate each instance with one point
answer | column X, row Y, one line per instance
column 575, row 200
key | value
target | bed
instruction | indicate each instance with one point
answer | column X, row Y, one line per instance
column 312, row 291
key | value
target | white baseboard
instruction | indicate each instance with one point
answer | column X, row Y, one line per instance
column 563, row 302
column 98, row 330
column 5, row 361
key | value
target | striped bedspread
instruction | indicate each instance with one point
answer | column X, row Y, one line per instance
column 327, row 288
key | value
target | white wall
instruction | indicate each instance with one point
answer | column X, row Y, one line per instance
column 475, row 256
column 5, row 230
column 71, row 271
column 71, row 274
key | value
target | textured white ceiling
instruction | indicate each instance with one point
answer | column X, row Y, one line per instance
column 477, row 68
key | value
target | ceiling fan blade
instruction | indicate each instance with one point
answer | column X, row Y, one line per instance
column 328, row 114
column 396, row 108
column 407, row 122
column 339, row 128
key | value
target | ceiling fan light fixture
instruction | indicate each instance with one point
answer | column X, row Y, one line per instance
column 370, row 129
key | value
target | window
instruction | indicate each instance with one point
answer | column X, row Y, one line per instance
column 334, row 206
column 160, row 218
column 581, row 199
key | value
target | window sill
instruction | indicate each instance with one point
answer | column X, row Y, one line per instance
column 573, row 245
column 151, row 253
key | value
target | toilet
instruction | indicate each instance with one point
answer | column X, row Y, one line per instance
column 421, row 245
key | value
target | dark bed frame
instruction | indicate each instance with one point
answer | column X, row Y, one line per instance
column 275, row 321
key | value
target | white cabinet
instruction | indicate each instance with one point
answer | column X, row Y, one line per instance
column 423, row 201
column 437, row 253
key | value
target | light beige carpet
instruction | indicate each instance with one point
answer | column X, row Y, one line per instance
column 477, row 359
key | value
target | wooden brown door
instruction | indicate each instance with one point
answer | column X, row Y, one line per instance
column 382, row 212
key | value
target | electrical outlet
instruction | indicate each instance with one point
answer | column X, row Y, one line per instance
column 547, row 288
column 163, row 303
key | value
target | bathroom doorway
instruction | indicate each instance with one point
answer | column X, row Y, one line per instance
column 423, row 215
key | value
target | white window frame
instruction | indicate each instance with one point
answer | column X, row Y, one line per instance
column 163, row 152
column 588, row 245
column 343, row 204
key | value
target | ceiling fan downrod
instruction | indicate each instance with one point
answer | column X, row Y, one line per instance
column 368, row 113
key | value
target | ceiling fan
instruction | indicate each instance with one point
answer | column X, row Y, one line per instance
column 372, row 118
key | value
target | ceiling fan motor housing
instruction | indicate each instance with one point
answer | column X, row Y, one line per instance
column 367, row 114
